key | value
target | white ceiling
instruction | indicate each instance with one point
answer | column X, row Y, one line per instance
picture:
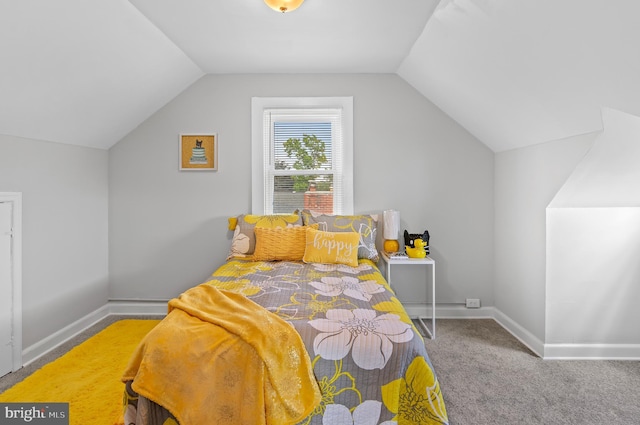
column 520, row 72
column 512, row 72
column 83, row 72
column 245, row 36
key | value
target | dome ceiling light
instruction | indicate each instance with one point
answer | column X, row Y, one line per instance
column 283, row 5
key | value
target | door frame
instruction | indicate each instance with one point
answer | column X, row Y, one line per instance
column 16, row 249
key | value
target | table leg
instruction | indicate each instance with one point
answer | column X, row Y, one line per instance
column 431, row 332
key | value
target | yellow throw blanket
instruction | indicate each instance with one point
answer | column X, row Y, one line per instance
column 220, row 358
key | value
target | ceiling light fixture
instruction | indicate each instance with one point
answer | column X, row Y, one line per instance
column 283, row 5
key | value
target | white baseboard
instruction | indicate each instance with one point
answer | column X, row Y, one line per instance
column 455, row 311
column 444, row 311
column 47, row 344
column 449, row 311
column 138, row 308
column 124, row 308
column 521, row 334
column 592, row 352
column 538, row 347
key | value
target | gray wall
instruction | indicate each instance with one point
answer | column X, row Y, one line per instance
column 526, row 180
column 567, row 226
column 126, row 223
column 64, row 230
column 168, row 229
column 592, row 280
column 593, row 243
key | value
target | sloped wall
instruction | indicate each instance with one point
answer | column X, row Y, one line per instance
column 593, row 246
column 609, row 175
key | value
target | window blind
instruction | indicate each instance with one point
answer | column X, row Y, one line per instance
column 303, row 160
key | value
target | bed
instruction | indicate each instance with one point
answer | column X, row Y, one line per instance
column 294, row 328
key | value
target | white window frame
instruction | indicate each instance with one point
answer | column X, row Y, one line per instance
column 260, row 143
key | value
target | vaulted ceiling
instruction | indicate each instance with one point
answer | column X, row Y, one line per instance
column 512, row 72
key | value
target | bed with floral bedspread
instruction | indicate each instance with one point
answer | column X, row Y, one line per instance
column 369, row 360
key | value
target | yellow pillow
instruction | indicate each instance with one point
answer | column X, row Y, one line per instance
column 243, row 243
column 280, row 243
column 331, row 247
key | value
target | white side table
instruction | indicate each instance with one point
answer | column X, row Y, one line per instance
column 417, row 261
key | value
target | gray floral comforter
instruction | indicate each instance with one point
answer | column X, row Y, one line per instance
column 369, row 359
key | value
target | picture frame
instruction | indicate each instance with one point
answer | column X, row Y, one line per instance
column 198, row 152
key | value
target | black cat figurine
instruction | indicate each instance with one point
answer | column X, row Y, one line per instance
column 410, row 237
column 198, row 143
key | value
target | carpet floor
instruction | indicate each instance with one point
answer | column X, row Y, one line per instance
column 87, row 376
column 486, row 376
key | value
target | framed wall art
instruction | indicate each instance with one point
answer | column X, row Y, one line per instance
column 199, row 152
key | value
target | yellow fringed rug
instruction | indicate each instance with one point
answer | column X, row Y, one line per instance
column 88, row 376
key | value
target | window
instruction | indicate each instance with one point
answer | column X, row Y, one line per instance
column 302, row 155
